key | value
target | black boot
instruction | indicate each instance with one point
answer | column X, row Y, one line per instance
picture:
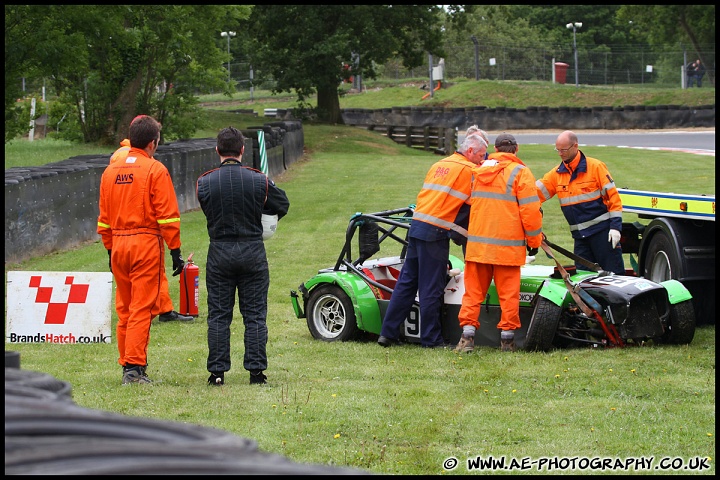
column 216, row 379
column 257, row 377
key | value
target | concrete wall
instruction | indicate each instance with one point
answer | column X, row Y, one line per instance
column 54, row 207
column 534, row 118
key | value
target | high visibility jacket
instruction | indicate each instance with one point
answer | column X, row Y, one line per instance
column 505, row 213
column 122, row 152
column 445, row 189
column 587, row 194
column 137, row 197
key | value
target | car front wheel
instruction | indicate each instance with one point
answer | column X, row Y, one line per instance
column 330, row 314
column 543, row 326
column 681, row 328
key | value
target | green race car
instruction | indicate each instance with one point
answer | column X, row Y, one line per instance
column 556, row 310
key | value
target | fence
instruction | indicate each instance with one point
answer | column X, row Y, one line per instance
column 623, row 64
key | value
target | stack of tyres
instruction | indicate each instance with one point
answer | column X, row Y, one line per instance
column 47, row 433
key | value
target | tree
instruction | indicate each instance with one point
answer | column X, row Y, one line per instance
column 495, row 27
column 112, row 62
column 19, row 62
column 668, row 24
column 303, row 47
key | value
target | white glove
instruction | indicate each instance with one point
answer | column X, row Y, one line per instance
column 614, row 237
column 529, row 259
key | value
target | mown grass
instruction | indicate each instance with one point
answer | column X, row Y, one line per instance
column 404, row 410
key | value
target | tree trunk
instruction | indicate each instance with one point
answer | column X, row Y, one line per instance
column 125, row 104
column 328, row 105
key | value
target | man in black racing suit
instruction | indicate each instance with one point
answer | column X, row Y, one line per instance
column 234, row 198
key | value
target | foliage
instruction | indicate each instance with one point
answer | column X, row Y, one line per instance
column 111, row 62
column 307, row 53
column 664, row 24
column 62, row 117
column 19, row 61
column 19, row 121
column 615, row 41
column 114, row 61
column 493, row 25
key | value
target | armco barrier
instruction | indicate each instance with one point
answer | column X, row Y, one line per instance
column 439, row 140
column 54, row 207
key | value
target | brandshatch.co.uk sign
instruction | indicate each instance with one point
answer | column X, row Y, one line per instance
column 59, row 307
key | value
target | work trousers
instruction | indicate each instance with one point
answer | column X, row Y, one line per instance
column 478, row 277
column 424, row 274
column 597, row 249
column 237, row 268
column 138, row 265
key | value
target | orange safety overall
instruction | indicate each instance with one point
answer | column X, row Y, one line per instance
column 139, row 214
column 164, row 301
column 505, row 219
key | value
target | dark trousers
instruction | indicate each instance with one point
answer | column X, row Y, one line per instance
column 597, row 249
column 425, row 274
column 242, row 269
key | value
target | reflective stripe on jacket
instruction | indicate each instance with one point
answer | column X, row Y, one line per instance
column 446, row 188
column 137, row 197
column 587, row 194
column 504, row 212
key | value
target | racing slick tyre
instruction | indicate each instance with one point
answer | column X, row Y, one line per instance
column 330, row 314
column 681, row 327
column 543, row 326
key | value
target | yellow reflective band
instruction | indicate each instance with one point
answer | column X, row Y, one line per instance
column 168, row 220
column 104, row 225
column 668, row 204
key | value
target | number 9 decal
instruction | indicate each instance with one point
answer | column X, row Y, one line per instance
column 412, row 323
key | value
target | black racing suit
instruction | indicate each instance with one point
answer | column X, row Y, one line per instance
column 233, row 198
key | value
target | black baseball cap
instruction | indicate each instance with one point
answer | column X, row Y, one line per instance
column 505, row 139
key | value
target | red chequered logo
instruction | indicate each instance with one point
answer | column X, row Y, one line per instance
column 57, row 312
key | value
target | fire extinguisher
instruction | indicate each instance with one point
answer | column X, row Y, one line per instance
column 190, row 288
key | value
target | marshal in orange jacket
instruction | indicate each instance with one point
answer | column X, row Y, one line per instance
column 587, row 193
column 445, row 189
column 505, row 216
column 139, row 214
column 137, row 197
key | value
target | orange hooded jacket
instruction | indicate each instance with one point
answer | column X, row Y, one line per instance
column 505, row 214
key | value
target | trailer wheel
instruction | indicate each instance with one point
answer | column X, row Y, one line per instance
column 543, row 325
column 681, row 327
column 662, row 261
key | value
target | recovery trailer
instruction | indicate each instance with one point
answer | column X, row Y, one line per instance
column 678, row 243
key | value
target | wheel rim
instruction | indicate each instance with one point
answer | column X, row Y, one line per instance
column 329, row 316
column 660, row 269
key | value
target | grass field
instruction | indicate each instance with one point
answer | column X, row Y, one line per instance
column 406, row 410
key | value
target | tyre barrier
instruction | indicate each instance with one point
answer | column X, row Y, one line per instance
column 12, row 359
column 47, row 433
column 37, row 382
